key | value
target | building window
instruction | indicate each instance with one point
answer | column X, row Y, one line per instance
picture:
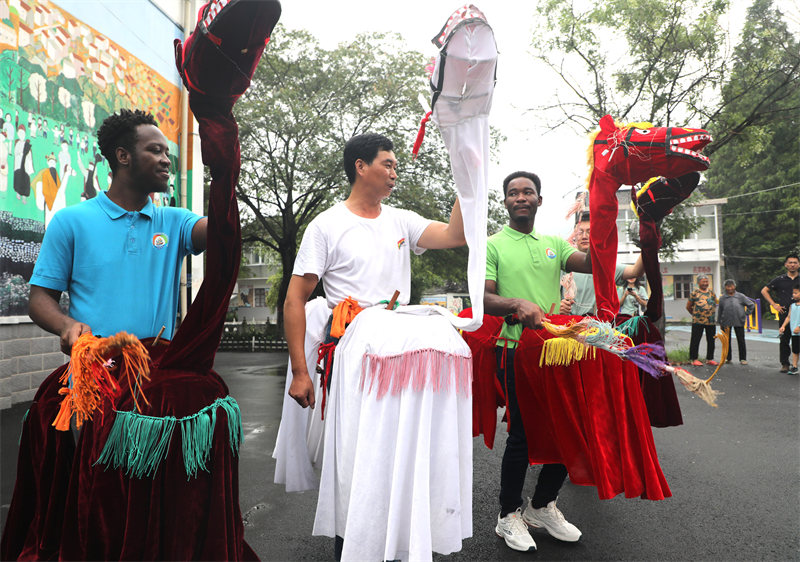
column 683, row 286
column 259, row 299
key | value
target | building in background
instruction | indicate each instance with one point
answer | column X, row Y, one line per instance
column 700, row 253
column 65, row 65
column 249, row 300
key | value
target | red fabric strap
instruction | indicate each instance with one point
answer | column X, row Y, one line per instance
column 420, row 134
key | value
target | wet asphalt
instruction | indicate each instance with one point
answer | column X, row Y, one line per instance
column 734, row 472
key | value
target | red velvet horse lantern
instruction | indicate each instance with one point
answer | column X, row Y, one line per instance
column 630, row 154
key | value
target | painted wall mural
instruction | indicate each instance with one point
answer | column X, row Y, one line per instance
column 59, row 79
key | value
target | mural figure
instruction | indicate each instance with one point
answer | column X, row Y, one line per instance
column 23, row 166
column 59, row 79
column 90, row 185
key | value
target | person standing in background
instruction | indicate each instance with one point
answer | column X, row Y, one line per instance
column 734, row 308
column 792, row 326
column 632, row 296
column 702, row 305
column 782, row 287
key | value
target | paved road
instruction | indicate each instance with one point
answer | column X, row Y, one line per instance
column 734, row 472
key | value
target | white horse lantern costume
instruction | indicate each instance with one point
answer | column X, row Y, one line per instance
column 463, row 84
column 396, row 446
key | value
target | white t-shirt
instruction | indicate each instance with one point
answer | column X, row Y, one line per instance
column 366, row 259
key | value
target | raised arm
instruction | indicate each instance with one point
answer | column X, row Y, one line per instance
column 294, row 327
column 579, row 262
column 439, row 235
column 43, row 309
column 635, row 270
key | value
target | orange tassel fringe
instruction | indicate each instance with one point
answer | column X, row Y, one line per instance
column 92, row 381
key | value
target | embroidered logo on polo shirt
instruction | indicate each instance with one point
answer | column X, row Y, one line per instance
column 401, row 243
column 550, row 253
column 160, row 240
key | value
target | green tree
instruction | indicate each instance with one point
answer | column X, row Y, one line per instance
column 666, row 61
column 651, row 61
column 305, row 102
column 758, row 168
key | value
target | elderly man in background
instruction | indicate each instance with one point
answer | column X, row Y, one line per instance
column 734, row 308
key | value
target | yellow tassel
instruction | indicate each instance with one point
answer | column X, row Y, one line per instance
column 564, row 351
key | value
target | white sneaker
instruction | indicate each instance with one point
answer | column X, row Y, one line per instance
column 514, row 531
column 552, row 519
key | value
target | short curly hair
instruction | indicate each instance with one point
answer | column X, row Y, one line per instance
column 529, row 175
column 119, row 129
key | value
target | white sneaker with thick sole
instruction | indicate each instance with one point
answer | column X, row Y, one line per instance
column 551, row 518
column 513, row 530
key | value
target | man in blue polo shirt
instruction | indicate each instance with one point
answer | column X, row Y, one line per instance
column 117, row 255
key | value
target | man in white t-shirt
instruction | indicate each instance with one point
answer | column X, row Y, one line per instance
column 360, row 249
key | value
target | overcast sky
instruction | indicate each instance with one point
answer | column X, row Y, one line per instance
column 558, row 157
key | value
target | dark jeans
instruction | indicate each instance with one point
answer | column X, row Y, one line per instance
column 786, row 337
column 739, row 331
column 694, row 343
column 515, row 458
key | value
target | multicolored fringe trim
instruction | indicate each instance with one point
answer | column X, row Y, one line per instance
column 22, row 425
column 92, row 381
column 574, row 339
column 138, row 443
column 631, row 326
column 417, row 369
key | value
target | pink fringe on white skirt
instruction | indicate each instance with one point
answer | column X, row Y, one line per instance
column 418, row 369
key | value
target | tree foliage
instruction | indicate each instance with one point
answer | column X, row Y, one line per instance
column 759, row 169
column 651, row 61
column 304, row 103
column 669, row 62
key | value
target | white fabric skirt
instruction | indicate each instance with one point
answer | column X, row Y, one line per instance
column 396, row 477
column 298, row 446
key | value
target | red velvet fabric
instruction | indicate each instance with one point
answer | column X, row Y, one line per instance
column 67, row 508
column 659, row 393
column 487, row 393
column 589, row 416
column 170, row 516
column 35, row 515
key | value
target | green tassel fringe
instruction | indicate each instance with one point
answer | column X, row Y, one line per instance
column 631, row 326
column 22, row 426
column 139, row 443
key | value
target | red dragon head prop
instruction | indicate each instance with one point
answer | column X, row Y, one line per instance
column 629, row 154
column 636, row 152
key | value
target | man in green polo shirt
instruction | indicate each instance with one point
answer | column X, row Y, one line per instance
column 523, row 270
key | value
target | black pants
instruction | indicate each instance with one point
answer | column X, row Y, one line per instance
column 786, row 337
column 694, row 343
column 515, row 458
column 739, row 331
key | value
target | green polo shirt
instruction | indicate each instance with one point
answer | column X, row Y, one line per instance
column 526, row 266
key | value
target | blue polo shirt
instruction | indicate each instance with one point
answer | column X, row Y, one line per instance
column 121, row 268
